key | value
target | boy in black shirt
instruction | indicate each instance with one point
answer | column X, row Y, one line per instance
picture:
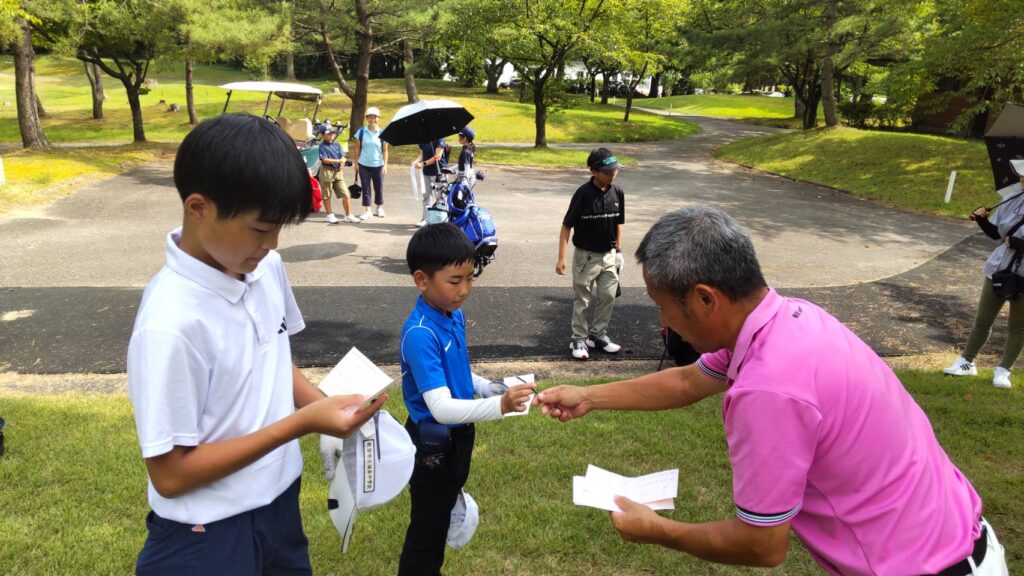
column 596, row 213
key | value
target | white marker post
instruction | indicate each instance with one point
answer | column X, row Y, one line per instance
column 669, row 109
column 949, row 189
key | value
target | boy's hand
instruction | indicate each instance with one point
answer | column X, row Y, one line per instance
column 515, row 399
column 563, row 402
column 338, row 415
column 330, row 453
column 560, row 267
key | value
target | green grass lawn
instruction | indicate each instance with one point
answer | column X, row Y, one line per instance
column 64, row 90
column 37, row 177
column 724, row 105
column 74, row 485
column 909, row 171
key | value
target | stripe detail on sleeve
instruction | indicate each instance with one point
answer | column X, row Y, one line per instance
column 765, row 519
column 707, row 370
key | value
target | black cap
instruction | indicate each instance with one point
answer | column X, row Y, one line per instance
column 602, row 159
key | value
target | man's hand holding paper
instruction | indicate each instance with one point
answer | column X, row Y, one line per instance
column 564, row 402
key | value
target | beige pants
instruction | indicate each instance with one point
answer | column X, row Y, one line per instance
column 593, row 278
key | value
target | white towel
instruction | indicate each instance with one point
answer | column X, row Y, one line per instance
column 419, row 182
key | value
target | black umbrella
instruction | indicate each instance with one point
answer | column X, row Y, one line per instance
column 1005, row 142
column 424, row 121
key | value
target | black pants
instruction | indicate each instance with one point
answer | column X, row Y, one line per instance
column 374, row 176
column 433, row 491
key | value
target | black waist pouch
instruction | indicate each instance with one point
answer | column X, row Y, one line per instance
column 432, row 438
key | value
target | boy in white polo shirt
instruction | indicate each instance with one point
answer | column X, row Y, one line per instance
column 218, row 403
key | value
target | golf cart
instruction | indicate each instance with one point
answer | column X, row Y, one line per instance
column 303, row 130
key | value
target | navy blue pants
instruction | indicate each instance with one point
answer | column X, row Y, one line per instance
column 375, row 176
column 266, row 541
column 434, row 488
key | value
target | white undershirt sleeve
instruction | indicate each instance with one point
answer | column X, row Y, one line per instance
column 448, row 410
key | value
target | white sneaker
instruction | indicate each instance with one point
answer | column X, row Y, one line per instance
column 351, row 219
column 961, row 367
column 379, row 212
column 332, row 219
column 366, row 215
column 1001, row 378
column 579, row 349
column 603, row 344
column 421, row 223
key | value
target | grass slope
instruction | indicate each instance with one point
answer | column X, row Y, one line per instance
column 905, row 170
column 74, row 484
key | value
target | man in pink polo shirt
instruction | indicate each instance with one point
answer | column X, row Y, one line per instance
column 822, row 436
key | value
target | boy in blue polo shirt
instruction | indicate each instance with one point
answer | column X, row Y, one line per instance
column 219, row 405
column 439, row 388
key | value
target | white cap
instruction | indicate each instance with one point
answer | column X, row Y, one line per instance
column 385, row 459
column 1017, row 165
column 373, row 111
column 376, row 464
column 465, row 519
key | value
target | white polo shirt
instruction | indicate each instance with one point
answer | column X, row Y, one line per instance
column 209, row 360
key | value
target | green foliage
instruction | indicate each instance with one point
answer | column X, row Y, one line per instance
column 527, row 528
column 467, row 66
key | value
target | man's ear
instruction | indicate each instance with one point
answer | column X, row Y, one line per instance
column 197, row 206
column 707, row 298
column 420, row 278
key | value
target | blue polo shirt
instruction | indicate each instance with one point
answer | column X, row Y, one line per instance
column 433, row 352
column 332, row 151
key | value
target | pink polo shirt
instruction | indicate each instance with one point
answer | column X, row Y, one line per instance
column 821, row 433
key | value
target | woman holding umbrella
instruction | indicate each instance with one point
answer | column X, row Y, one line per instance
column 372, row 162
column 430, row 161
column 1007, row 225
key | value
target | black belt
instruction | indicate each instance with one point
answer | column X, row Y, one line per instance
column 963, row 567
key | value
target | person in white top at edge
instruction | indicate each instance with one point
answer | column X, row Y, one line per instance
column 371, row 155
column 1005, row 227
column 219, row 405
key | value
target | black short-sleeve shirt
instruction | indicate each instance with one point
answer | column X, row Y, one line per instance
column 428, row 149
column 594, row 216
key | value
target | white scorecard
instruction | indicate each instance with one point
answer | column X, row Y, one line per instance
column 599, row 488
column 355, row 374
column 515, row 381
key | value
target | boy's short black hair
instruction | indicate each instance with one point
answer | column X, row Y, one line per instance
column 243, row 163
column 437, row 246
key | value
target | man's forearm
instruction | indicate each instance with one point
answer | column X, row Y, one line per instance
column 671, row 388
column 725, row 541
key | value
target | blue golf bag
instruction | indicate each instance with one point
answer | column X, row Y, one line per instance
column 474, row 220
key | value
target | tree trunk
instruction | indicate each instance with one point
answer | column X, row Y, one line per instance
column 92, row 72
column 39, row 103
column 410, row 80
column 365, row 36
column 593, row 87
column 798, row 107
column 811, row 110
column 604, row 87
column 189, row 99
column 289, row 65
column 333, row 62
column 828, row 69
column 540, row 112
column 25, row 90
column 493, row 70
column 138, row 132
column 629, row 105
column 655, row 86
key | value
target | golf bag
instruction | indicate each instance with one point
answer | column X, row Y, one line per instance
column 474, row 220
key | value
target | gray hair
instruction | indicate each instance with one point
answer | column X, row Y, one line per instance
column 700, row 245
